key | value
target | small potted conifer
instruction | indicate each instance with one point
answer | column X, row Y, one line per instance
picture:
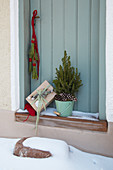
column 67, row 83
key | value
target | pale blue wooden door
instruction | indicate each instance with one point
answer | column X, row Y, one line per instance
column 77, row 26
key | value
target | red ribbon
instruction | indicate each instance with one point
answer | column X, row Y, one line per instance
column 26, row 118
column 35, row 40
column 34, row 64
column 30, row 110
column 32, row 41
column 30, row 59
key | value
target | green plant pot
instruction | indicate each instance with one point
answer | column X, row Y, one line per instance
column 64, row 108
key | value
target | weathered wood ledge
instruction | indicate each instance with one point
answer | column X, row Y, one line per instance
column 63, row 122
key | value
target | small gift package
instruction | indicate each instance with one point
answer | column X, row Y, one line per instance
column 41, row 97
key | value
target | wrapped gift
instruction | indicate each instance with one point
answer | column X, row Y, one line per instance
column 41, row 97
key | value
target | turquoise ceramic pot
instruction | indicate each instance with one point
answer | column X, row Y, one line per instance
column 64, row 108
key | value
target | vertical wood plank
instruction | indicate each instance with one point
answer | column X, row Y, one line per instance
column 46, row 36
column 24, row 29
column 26, row 46
column 95, row 56
column 58, row 32
column 21, row 53
column 70, row 29
column 84, row 53
column 102, row 66
column 71, row 13
column 36, row 5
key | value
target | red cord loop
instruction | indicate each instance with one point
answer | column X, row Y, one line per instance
column 34, row 13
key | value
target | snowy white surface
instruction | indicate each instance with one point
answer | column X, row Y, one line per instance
column 21, row 111
column 46, row 144
column 75, row 114
column 64, row 157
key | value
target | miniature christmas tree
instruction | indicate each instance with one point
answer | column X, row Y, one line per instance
column 67, row 81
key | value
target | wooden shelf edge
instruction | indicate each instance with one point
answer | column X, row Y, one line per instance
column 63, row 122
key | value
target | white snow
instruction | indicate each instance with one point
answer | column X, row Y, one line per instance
column 75, row 114
column 64, row 157
column 21, row 111
column 48, row 145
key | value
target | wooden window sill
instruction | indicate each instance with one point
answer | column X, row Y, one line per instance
column 63, row 122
